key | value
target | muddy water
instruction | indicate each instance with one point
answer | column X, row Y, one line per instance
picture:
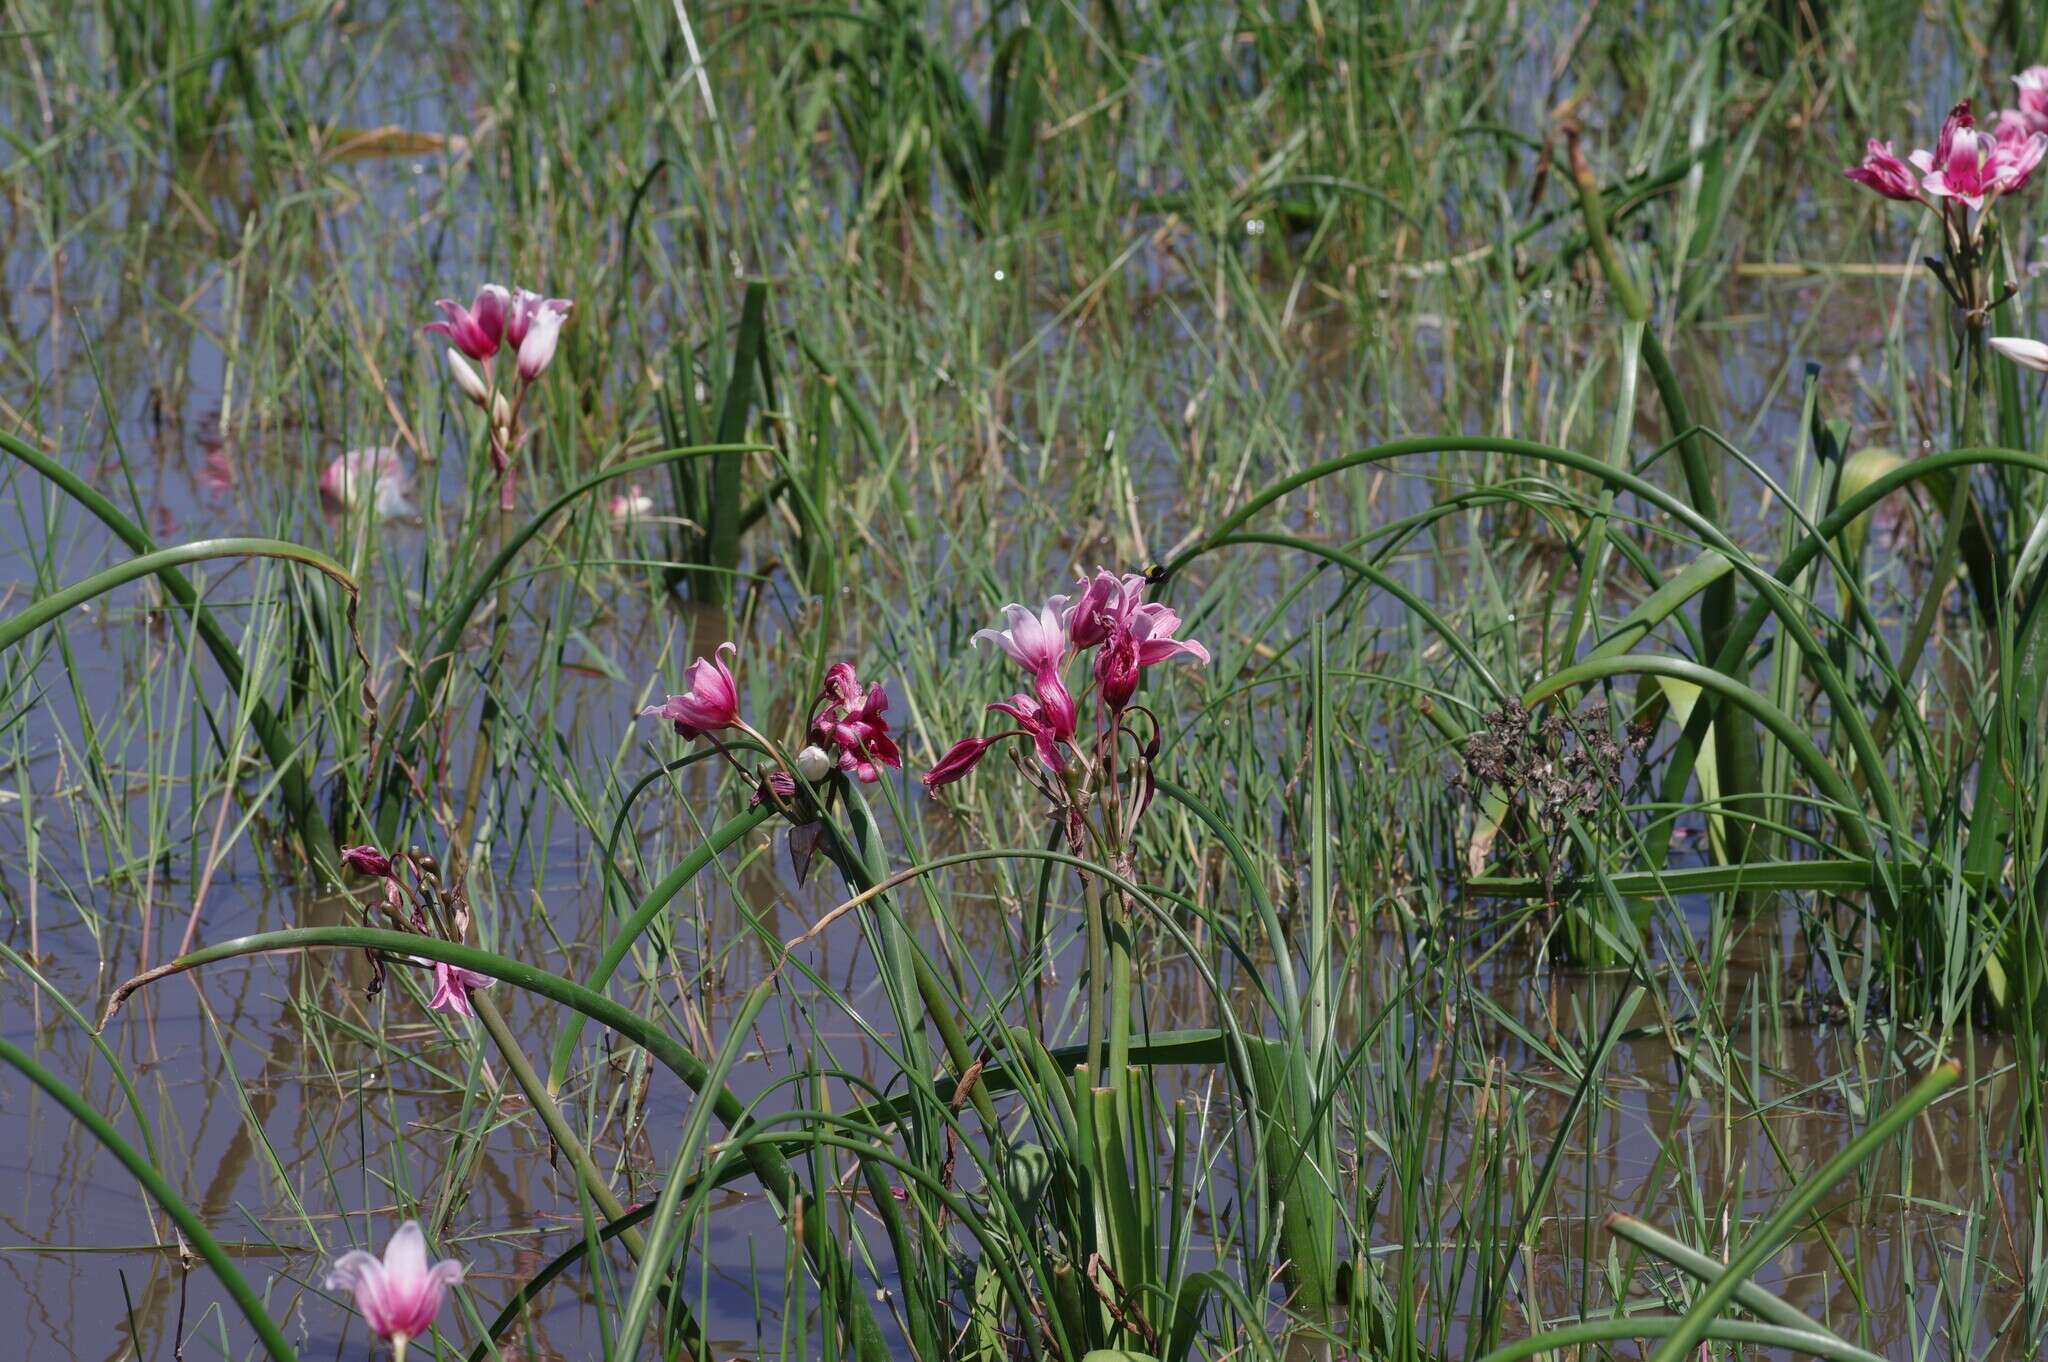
column 298, row 1147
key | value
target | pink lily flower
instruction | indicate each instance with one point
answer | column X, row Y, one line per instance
column 2033, row 109
column 1037, row 641
column 399, row 1294
column 525, row 308
column 712, row 702
column 1105, row 601
column 476, row 329
column 537, row 351
column 1143, row 638
column 1153, row 625
column 1966, row 173
column 1884, row 172
column 1134, row 633
column 376, row 474
column 856, row 722
column 2016, row 155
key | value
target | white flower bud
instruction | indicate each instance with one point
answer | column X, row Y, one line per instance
column 468, row 379
column 813, row 763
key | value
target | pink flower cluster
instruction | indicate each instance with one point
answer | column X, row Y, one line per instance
column 531, row 326
column 851, row 726
column 1108, row 615
column 848, row 729
column 1967, row 166
column 528, row 323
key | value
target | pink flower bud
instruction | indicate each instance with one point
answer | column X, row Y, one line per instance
column 961, row 758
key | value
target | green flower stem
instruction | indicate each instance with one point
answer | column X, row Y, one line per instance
column 551, row 1116
column 860, row 861
column 650, row 907
column 1098, row 971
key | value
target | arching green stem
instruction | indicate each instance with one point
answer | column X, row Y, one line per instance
column 144, row 1171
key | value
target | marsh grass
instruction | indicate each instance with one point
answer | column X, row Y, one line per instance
column 907, row 314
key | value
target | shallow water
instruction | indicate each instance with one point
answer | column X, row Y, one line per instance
column 146, row 363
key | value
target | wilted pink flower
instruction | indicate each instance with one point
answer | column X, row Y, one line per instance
column 376, row 475
column 779, row 783
column 476, row 329
column 399, row 1294
column 631, row 505
column 452, row 984
column 713, row 700
column 855, row 721
column 1883, row 171
column 1116, row 669
column 366, row 860
column 960, row 758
